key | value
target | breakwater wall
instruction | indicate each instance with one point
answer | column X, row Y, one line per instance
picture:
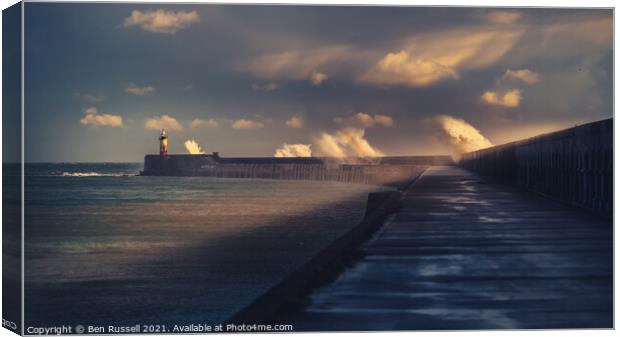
column 388, row 171
column 574, row 165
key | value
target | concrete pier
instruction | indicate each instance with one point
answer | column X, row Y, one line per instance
column 574, row 165
column 464, row 253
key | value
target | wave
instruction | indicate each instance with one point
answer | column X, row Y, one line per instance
column 101, row 247
column 95, row 174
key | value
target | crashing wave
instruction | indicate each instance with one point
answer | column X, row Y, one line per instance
column 93, row 174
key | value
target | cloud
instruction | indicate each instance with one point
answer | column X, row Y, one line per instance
column 163, row 122
column 210, row 123
column 295, row 64
column 523, row 75
column 295, row 122
column 92, row 117
column 346, row 142
column 294, row 150
column 161, row 21
column 187, row 87
column 270, row 86
column 419, row 60
column 192, row 147
column 365, row 120
column 459, row 135
column 565, row 40
column 510, row 99
column 504, row 16
column 597, row 31
column 316, row 78
column 247, row 124
column 434, row 57
column 90, row 97
column 403, row 69
column 384, row 120
column 141, row 91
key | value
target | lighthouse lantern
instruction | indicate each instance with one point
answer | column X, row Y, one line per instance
column 163, row 143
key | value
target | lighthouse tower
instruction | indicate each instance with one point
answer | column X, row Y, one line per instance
column 163, row 143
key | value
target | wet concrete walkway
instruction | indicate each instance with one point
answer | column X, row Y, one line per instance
column 467, row 254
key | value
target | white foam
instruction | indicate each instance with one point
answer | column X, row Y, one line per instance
column 93, row 174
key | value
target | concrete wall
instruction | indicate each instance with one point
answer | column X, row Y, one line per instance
column 573, row 165
column 391, row 171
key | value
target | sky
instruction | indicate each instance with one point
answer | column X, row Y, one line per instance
column 102, row 79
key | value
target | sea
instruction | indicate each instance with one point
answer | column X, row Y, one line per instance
column 105, row 246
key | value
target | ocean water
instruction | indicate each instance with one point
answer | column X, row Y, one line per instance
column 104, row 246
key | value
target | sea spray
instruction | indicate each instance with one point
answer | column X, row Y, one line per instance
column 193, row 147
column 459, row 135
column 294, row 150
column 346, row 142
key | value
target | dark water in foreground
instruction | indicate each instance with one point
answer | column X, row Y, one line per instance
column 105, row 247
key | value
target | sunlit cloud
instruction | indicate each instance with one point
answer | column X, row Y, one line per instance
column 316, row 78
column 504, row 16
column 510, row 99
column 522, row 75
column 434, row 57
column 247, row 124
column 295, row 64
column 141, row 91
column 163, row 122
column 294, row 150
column 401, row 68
column 384, row 120
column 269, row 86
column 210, row 123
column 90, row 110
column 365, row 120
column 424, row 59
column 295, row 122
column 92, row 117
column 161, row 21
column 417, row 61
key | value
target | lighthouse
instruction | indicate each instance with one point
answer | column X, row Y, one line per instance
column 163, row 143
